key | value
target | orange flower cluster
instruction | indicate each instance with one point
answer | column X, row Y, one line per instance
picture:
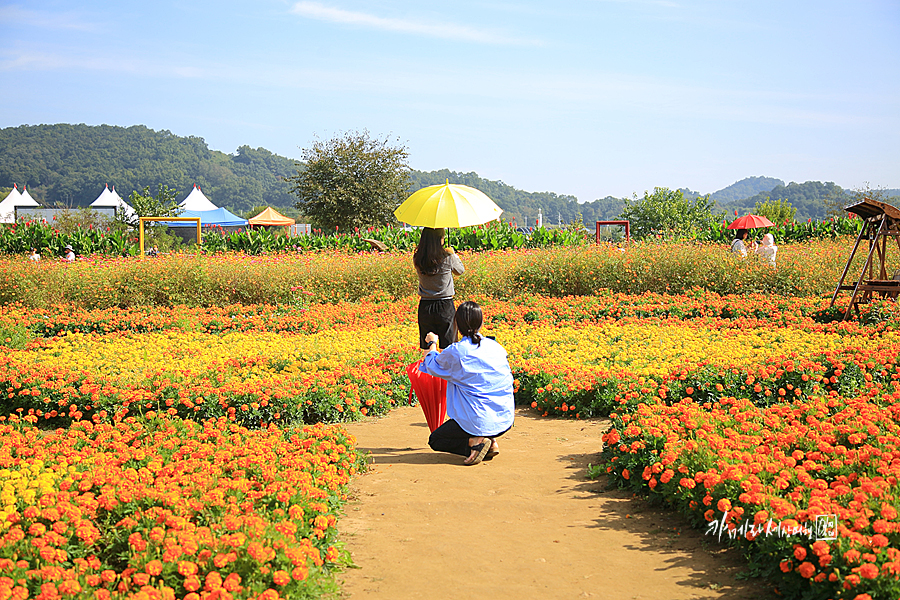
column 162, row 508
column 775, row 468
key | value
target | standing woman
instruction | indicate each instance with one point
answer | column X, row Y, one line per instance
column 436, row 266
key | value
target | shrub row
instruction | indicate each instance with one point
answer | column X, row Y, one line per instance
column 808, row 269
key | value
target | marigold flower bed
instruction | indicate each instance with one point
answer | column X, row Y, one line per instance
column 746, row 408
column 162, row 508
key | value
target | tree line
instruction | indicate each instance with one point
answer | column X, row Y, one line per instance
column 68, row 165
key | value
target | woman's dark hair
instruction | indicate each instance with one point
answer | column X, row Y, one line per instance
column 469, row 319
column 430, row 252
column 741, row 234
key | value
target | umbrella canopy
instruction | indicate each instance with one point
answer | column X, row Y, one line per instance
column 271, row 217
column 448, row 205
column 431, row 392
column 750, row 222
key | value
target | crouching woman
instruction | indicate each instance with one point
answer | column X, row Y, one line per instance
column 480, row 403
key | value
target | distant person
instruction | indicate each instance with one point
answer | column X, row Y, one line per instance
column 154, row 251
column 767, row 248
column 436, row 266
column 480, row 402
column 69, row 254
column 34, row 257
column 739, row 244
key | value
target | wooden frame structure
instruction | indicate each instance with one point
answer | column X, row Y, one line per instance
column 625, row 224
column 165, row 219
column 880, row 221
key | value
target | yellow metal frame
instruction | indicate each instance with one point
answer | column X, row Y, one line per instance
column 141, row 227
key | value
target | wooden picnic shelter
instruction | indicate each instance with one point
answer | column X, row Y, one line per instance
column 880, row 222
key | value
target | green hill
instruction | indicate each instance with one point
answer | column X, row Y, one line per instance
column 68, row 165
column 745, row 188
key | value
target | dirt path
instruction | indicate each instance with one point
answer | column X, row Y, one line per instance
column 524, row 525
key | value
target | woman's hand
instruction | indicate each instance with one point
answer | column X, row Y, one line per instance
column 450, row 250
column 431, row 338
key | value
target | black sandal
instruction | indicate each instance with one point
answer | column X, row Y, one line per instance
column 482, row 450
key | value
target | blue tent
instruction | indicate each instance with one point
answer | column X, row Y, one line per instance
column 221, row 217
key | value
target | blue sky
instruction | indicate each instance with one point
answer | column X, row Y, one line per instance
column 589, row 98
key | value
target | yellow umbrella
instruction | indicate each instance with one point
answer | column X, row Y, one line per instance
column 448, row 205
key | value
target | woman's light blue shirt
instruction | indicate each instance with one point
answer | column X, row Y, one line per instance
column 479, row 385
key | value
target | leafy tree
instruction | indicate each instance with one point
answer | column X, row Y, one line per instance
column 836, row 205
column 163, row 204
column 351, row 181
column 809, row 198
column 667, row 213
column 777, row 211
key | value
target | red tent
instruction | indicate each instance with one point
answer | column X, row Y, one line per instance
column 431, row 392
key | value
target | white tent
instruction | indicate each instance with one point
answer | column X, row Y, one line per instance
column 103, row 198
column 26, row 199
column 12, row 200
column 197, row 202
column 112, row 199
column 8, row 205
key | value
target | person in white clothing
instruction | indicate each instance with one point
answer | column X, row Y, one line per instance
column 767, row 248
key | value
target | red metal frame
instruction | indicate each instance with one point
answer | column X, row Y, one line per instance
column 625, row 223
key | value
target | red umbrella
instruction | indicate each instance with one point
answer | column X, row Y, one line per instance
column 431, row 392
column 750, row 222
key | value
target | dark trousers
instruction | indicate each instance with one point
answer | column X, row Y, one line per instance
column 437, row 316
column 451, row 438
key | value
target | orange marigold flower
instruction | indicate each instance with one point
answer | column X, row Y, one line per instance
column 213, row 581
column 154, row 568
column 868, row 571
column 806, row 569
column 187, row 568
column 192, row 583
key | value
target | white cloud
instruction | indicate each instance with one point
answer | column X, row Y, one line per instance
column 17, row 17
column 449, row 31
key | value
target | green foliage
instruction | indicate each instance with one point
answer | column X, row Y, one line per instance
column 791, row 232
column 879, row 194
column 50, row 241
column 352, row 181
column 68, row 165
column 666, row 213
column 778, row 211
column 236, row 278
column 808, row 198
column 70, row 220
column 745, row 188
column 163, row 204
column 478, row 238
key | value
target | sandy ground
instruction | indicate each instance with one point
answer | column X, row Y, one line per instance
column 527, row 524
